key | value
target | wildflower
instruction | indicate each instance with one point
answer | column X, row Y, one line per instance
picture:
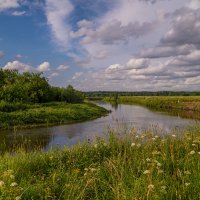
column 153, row 138
column 138, row 145
column 132, row 144
column 146, row 172
column 136, row 136
column 142, row 136
column 156, row 136
column 18, row 198
column 163, row 187
column 160, row 171
column 156, row 152
column 187, row 184
column 93, row 169
column 150, row 187
column 148, row 160
column 187, row 172
column 95, row 146
column 192, row 152
column 85, row 174
column 174, row 136
column 12, row 176
column 50, row 157
column 193, row 145
column 2, row 183
column 86, row 169
column 199, row 152
column 13, row 184
column 159, row 164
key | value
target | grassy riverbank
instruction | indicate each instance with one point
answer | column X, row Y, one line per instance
column 44, row 114
column 143, row 166
column 191, row 103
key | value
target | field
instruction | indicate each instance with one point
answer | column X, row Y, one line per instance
column 189, row 103
column 44, row 114
column 137, row 166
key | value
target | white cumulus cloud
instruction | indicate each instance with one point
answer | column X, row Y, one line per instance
column 7, row 4
column 56, row 14
column 44, row 67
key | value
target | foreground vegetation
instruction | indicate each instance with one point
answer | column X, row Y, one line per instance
column 19, row 114
column 137, row 166
column 161, row 102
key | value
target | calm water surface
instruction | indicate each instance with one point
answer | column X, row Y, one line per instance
column 122, row 116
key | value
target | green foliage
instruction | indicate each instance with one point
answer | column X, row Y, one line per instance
column 33, row 88
column 137, row 166
column 70, row 95
column 18, row 114
column 26, row 87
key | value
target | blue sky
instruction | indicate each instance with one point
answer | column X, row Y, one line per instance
column 128, row 45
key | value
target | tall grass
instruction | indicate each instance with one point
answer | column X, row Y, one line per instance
column 48, row 113
column 137, row 166
column 163, row 102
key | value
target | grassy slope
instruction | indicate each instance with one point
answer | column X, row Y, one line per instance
column 136, row 167
column 165, row 102
column 50, row 113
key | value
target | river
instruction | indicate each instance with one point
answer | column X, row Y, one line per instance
column 122, row 117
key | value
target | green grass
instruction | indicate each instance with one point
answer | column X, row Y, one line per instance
column 191, row 103
column 137, row 166
column 48, row 114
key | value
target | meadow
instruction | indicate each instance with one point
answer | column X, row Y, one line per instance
column 137, row 166
column 188, row 103
column 45, row 114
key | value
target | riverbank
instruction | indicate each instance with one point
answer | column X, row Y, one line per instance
column 186, row 103
column 46, row 114
column 145, row 166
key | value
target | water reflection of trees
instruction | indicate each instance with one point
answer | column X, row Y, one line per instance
column 114, row 105
column 11, row 141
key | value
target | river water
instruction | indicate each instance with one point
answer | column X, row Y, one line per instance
column 122, row 117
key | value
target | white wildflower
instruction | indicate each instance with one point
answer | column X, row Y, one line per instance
column 133, row 144
column 13, row 184
column 153, row 138
column 187, row 172
column 95, row 146
column 174, row 136
column 12, row 176
column 18, row 198
column 146, row 172
column 192, row 152
column 163, row 187
column 150, row 187
column 148, row 160
column 138, row 145
column 2, row 183
column 187, row 184
column 159, row 164
column 160, row 171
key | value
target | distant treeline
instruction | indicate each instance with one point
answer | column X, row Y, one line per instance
column 33, row 88
column 99, row 94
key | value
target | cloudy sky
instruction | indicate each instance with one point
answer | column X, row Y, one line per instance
column 128, row 45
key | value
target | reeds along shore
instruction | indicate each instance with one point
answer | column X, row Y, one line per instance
column 137, row 166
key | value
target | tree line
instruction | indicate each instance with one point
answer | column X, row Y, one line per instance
column 102, row 94
column 34, row 88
